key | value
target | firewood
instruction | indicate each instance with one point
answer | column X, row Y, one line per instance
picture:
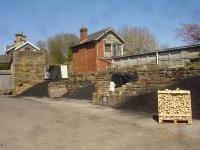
column 174, row 105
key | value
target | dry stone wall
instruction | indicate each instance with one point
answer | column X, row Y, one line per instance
column 72, row 88
column 142, row 94
column 28, row 69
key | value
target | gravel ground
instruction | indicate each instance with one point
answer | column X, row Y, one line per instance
column 29, row 123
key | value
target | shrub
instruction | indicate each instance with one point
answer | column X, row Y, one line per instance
column 4, row 66
column 193, row 64
column 69, row 54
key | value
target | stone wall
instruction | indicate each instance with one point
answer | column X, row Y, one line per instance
column 62, row 88
column 75, row 77
column 142, row 94
column 72, row 89
column 28, row 69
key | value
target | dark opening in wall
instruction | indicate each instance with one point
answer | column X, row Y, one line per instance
column 54, row 72
column 121, row 78
column 194, row 59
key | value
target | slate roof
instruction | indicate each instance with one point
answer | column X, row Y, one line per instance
column 4, row 59
column 97, row 35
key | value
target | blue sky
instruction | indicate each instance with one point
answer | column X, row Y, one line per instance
column 39, row 19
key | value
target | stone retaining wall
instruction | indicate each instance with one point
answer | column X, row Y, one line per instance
column 142, row 94
column 64, row 88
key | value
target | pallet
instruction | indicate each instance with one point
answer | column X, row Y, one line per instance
column 175, row 119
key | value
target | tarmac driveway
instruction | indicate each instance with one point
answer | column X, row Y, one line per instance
column 41, row 124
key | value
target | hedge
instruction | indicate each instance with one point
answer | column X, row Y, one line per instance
column 4, row 66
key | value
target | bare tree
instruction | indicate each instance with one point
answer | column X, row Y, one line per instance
column 57, row 47
column 138, row 40
column 65, row 40
column 41, row 44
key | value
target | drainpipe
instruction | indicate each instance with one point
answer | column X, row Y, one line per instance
column 113, row 65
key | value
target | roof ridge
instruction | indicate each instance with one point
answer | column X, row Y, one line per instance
column 105, row 29
column 97, row 35
column 27, row 42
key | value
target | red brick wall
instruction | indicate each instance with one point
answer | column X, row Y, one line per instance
column 91, row 57
column 79, row 63
column 101, row 48
column 84, row 58
column 101, row 64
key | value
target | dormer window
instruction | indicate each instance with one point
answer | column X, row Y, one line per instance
column 113, row 49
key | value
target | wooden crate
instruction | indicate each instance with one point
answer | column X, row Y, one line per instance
column 174, row 106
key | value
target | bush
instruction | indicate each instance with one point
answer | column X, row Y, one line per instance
column 4, row 66
column 69, row 54
column 193, row 64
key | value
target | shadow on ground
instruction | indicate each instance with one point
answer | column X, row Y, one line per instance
column 82, row 93
column 147, row 102
column 41, row 90
column 143, row 103
column 38, row 90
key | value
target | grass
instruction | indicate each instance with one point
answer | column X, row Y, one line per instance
column 193, row 64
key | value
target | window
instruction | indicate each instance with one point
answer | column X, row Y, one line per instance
column 113, row 50
column 107, row 52
column 107, row 47
column 117, row 50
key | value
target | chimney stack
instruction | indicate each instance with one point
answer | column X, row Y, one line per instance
column 83, row 33
column 20, row 38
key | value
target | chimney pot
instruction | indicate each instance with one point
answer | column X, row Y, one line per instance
column 20, row 38
column 83, row 33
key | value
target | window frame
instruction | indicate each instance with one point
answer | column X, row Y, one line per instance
column 105, row 50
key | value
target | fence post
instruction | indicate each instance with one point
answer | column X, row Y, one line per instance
column 157, row 59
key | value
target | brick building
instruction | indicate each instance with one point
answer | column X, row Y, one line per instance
column 95, row 51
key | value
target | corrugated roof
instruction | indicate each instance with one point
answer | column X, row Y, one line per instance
column 163, row 50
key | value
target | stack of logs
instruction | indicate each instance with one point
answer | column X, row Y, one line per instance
column 174, row 106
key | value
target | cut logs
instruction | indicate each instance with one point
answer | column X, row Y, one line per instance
column 174, row 106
